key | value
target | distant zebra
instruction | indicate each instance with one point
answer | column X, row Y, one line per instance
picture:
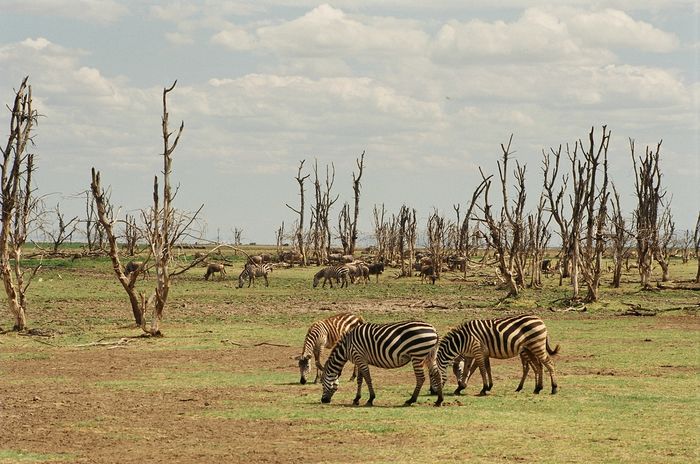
column 324, row 334
column 461, row 346
column 511, row 336
column 383, row 345
column 339, row 273
column 251, row 271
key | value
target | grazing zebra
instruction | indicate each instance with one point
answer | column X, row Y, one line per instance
column 383, row 345
column 325, row 333
column 251, row 271
column 339, row 273
column 461, row 347
column 215, row 267
column 524, row 335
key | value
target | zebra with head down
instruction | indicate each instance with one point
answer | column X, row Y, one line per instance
column 251, row 271
column 383, row 345
column 331, row 273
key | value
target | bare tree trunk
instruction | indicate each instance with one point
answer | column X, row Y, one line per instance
column 620, row 236
column 436, row 241
column 665, row 235
column 300, row 212
column 696, row 241
column 164, row 227
column 647, row 184
column 356, row 190
column 407, row 239
column 17, row 202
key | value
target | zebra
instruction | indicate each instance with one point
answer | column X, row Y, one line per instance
column 383, row 345
column 339, row 273
column 325, row 333
column 465, row 351
column 251, row 271
column 524, row 335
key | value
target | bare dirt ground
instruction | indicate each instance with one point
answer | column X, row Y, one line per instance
column 58, row 403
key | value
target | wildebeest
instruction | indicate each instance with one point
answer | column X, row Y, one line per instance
column 135, row 266
column 376, row 269
column 429, row 272
column 546, row 267
column 215, row 267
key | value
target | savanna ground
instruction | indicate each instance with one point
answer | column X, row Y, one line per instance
column 222, row 385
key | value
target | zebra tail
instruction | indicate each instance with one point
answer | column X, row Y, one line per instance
column 551, row 351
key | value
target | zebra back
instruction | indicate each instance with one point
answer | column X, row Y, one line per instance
column 328, row 331
column 391, row 345
column 506, row 337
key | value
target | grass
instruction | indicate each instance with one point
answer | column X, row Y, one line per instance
column 628, row 386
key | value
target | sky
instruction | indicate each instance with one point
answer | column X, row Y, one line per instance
column 428, row 90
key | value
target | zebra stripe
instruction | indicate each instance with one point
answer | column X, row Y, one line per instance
column 509, row 337
column 383, row 345
column 251, row 271
column 325, row 333
column 330, row 273
column 459, row 346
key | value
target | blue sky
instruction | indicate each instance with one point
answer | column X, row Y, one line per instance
column 429, row 92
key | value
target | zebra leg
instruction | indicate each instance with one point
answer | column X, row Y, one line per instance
column 267, row 283
column 317, row 358
column 251, row 278
column 354, row 373
column 550, row 367
column 436, row 379
column 524, row 360
column 358, row 395
column 487, row 365
column 420, row 378
column 363, row 373
column 482, row 362
column 537, row 367
column 470, row 366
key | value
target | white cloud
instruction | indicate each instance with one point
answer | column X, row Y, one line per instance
column 100, row 11
column 614, row 28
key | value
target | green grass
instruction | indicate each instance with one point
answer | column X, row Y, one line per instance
column 628, row 385
column 11, row 456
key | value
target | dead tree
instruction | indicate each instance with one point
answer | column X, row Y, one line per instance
column 94, row 233
column 382, row 229
column 132, row 235
column 507, row 233
column 465, row 242
column 18, row 203
column 406, row 239
column 345, row 228
column 279, row 238
column 588, row 253
column 59, row 233
column 620, row 238
column 299, row 235
column 664, row 237
column 538, row 238
column 649, row 192
column 436, row 241
column 356, row 190
column 555, row 199
column 684, row 244
column 237, row 236
column 164, row 228
column 321, row 235
column 696, row 242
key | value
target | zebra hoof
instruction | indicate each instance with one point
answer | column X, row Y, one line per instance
column 438, row 403
column 555, row 389
column 356, row 402
column 537, row 391
column 458, row 391
column 518, row 389
column 369, row 404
